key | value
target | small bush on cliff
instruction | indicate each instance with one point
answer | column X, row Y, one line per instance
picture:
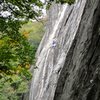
column 65, row 1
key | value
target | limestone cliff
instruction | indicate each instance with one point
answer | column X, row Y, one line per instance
column 68, row 58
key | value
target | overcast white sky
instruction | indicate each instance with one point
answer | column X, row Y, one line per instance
column 43, row 1
column 44, row 11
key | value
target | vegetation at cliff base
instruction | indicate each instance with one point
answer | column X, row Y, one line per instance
column 17, row 54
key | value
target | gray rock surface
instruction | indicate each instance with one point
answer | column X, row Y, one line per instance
column 68, row 58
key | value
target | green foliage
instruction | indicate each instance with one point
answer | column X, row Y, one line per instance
column 22, row 8
column 11, row 87
column 33, row 31
column 14, row 48
column 26, row 9
column 65, row 1
column 16, row 56
column 49, row 3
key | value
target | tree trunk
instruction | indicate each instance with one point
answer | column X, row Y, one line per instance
column 68, row 58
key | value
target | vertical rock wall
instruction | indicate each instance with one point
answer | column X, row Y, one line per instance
column 79, row 78
column 67, row 52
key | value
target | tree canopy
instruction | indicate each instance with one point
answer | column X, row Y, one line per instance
column 21, row 8
column 26, row 8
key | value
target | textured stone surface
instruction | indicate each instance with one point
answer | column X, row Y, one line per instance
column 68, row 58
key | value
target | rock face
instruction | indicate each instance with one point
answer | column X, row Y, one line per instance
column 68, row 58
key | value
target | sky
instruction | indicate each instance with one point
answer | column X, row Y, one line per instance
column 44, row 11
